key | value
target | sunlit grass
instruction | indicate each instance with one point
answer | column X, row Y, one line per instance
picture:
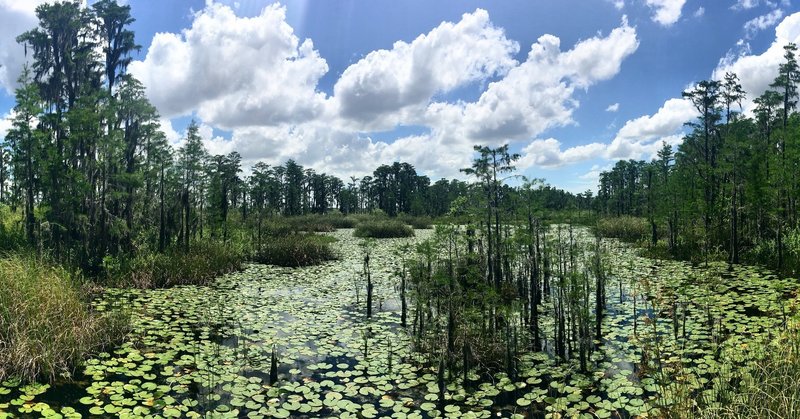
column 46, row 328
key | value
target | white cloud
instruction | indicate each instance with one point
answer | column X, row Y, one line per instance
column 5, row 124
column 537, row 94
column 548, row 153
column 745, row 4
column 378, row 90
column 613, row 107
column 700, row 12
column 618, row 4
column 643, row 135
column 234, row 71
column 757, row 71
column 758, row 24
column 666, row 12
column 16, row 17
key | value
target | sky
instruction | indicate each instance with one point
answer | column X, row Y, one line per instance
column 344, row 86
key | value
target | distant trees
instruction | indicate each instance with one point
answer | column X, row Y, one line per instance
column 732, row 185
column 86, row 161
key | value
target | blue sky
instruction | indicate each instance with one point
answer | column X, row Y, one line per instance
column 344, row 86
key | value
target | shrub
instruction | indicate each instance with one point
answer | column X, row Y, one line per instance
column 383, row 229
column 45, row 326
column 418, row 223
column 625, row 228
column 12, row 236
column 296, row 250
column 204, row 262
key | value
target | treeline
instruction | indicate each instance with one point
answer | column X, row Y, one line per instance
column 731, row 188
column 87, row 164
column 89, row 173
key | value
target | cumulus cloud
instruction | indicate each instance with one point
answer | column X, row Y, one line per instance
column 378, row 88
column 757, row 71
column 5, row 123
column 638, row 138
column 548, row 153
column 16, row 17
column 537, row 94
column 644, row 134
column 612, row 107
column 234, row 71
column 745, row 4
column 666, row 12
column 758, row 24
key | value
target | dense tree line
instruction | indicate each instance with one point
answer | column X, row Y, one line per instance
column 93, row 175
column 731, row 186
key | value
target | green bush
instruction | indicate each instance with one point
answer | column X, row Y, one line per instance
column 625, row 228
column 45, row 326
column 418, row 223
column 383, row 229
column 295, row 250
column 12, row 236
column 204, row 262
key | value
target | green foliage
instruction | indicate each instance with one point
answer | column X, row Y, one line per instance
column 625, row 228
column 383, row 229
column 46, row 327
column 203, row 262
column 293, row 250
column 418, row 223
column 11, row 235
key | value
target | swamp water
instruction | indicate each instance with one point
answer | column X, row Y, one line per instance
column 208, row 351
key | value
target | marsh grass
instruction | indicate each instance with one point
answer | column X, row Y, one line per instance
column 770, row 388
column 46, row 328
column 626, row 228
column 294, row 250
column 204, row 262
column 383, row 229
column 318, row 223
column 418, row 223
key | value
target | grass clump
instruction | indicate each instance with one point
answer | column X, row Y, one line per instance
column 296, row 250
column 204, row 262
column 46, row 329
column 383, row 229
column 417, row 223
column 626, row 228
column 769, row 388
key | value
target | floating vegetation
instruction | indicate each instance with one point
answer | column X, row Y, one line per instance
column 280, row 342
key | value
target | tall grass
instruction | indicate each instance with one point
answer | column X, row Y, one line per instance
column 11, row 233
column 45, row 326
column 625, row 228
column 418, row 223
column 383, row 229
column 771, row 386
column 205, row 261
column 295, row 250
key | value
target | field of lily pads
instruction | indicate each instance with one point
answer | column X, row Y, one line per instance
column 295, row 342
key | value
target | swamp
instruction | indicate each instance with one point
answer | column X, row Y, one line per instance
column 339, row 209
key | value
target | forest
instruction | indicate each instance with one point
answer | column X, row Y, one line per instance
column 140, row 278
